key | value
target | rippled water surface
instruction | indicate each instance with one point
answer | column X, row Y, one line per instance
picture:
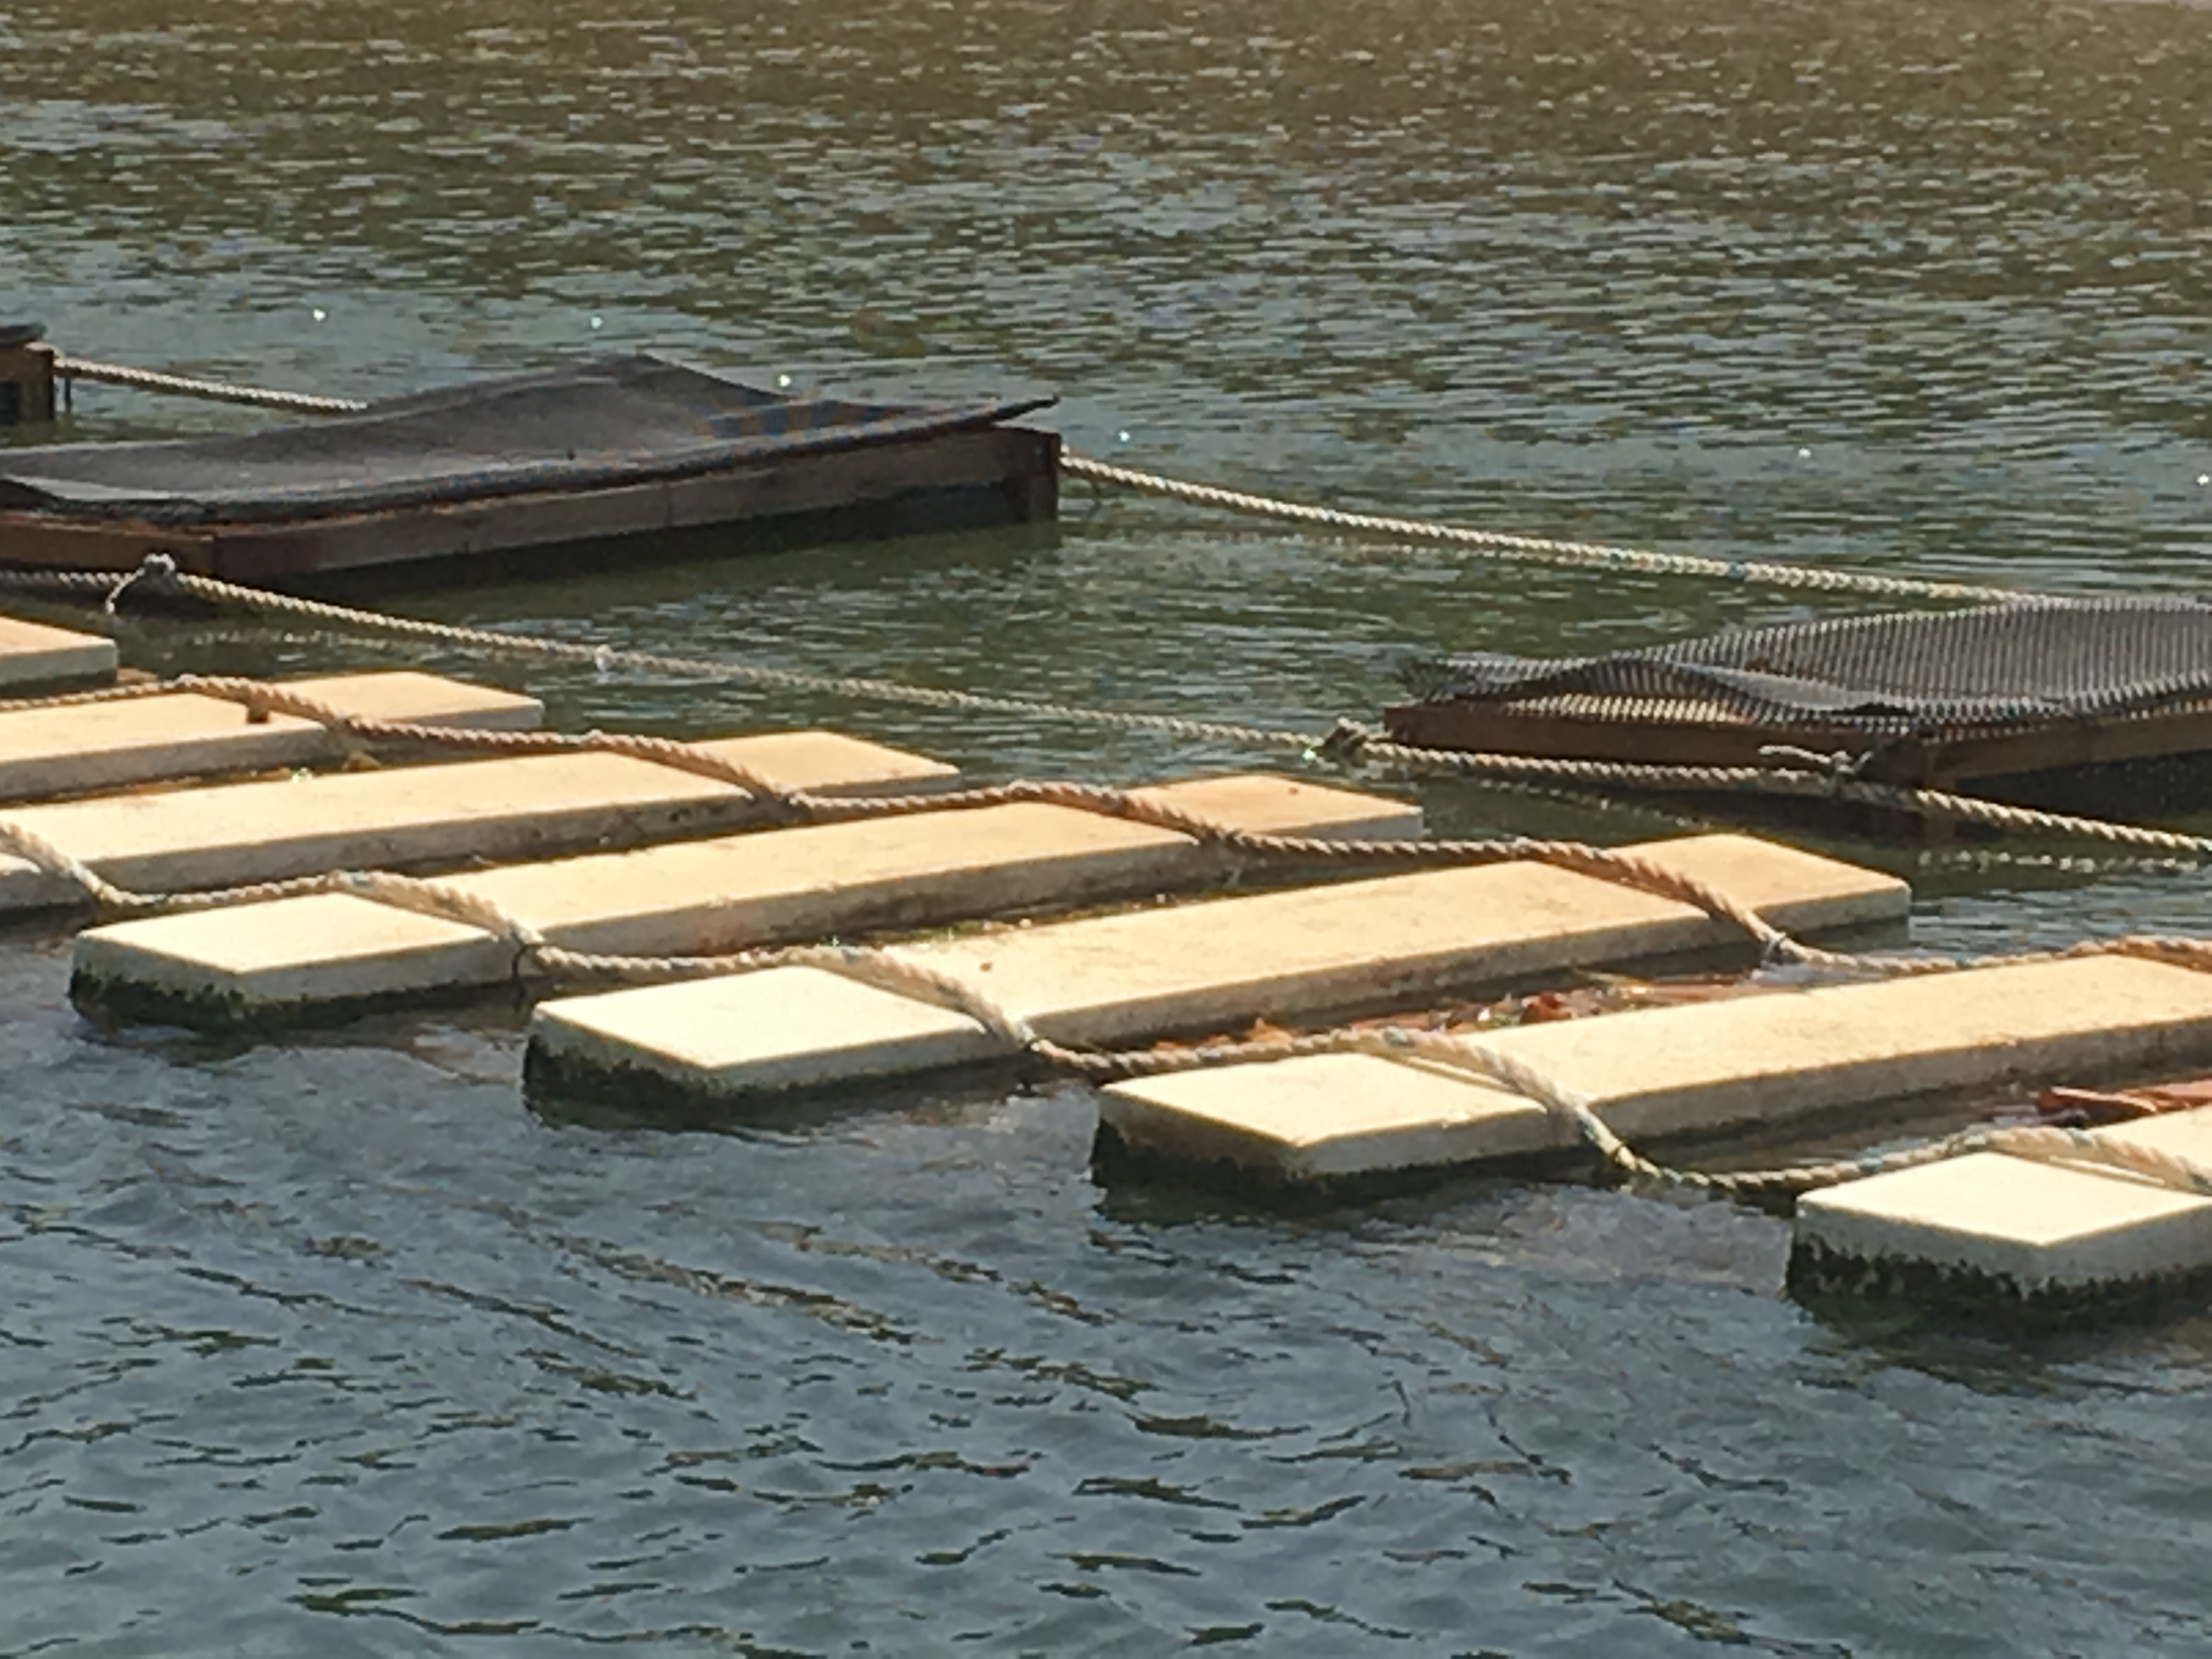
column 334, row 1348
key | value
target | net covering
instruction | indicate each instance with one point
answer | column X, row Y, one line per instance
column 595, row 423
column 1888, row 675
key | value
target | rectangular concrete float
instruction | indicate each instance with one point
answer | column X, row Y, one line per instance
column 267, row 962
column 2005, row 1232
column 1390, row 940
column 33, row 654
column 83, row 748
column 1745, row 1062
column 233, row 833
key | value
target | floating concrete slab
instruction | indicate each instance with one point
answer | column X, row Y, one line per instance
column 32, row 654
column 417, row 816
column 1714, row 1066
column 84, row 748
column 1131, row 976
column 264, row 964
column 1998, row 1230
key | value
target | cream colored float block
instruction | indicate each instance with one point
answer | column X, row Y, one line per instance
column 235, row 834
column 1701, row 1069
column 827, row 1028
column 2006, row 1228
column 1134, row 976
column 31, row 653
column 84, row 748
column 264, row 961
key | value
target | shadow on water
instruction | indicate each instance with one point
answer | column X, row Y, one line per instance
column 1994, row 1349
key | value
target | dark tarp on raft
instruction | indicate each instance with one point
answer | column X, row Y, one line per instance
column 591, row 424
column 1892, row 676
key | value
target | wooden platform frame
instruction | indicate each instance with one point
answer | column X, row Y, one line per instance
column 991, row 475
column 1699, row 734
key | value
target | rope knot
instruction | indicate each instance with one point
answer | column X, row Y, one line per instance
column 1345, row 742
column 1837, row 766
column 156, row 578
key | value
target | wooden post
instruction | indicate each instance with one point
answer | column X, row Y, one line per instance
column 26, row 376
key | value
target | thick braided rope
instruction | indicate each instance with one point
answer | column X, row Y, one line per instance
column 1491, row 544
column 221, row 392
column 112, row 900
column 1347, row 738
column 261, row 698
column 1627, row 870
column 2161, row 849
column 1533, row 550
column 1346, row 741
column 1830, row 785
column 131, row 692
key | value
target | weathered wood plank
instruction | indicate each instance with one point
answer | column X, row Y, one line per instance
column 1994, row 1230
column 1686, row 735
column 87, row 747
column 264, row 964
column 33, row 655
column 1018, row 463
column 1752, row 1061
column 532, row 806
column 1130, row 976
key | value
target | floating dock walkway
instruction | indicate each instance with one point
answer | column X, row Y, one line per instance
column 263, row 965
column 1392, row 941
column 1748, row 1063
column 448, row 813
column 84, row 748
column 637, row 857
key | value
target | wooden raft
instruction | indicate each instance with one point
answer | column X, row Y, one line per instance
column 956, row 480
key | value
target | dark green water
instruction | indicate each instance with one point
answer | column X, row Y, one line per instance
column 336, row 1349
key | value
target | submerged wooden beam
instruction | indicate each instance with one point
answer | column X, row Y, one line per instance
column 81, row 748
column 233, row 834
column 33, row 655
column 1999, row 1232
column 266, row 963
column 1383, row 942
column 1703, row 1069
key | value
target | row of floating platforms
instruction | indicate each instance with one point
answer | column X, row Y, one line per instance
column 597, row 458
column 1092, row 928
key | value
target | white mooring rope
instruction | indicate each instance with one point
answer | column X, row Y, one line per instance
column 1487, row 543
column 1541, row 549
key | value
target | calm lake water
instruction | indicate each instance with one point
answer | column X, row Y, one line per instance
column 335, row 1348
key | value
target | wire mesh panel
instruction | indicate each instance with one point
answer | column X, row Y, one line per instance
column 597, row 422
